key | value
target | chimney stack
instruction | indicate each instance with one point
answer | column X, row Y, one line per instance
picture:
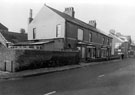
column 93, row 23
column 22, row 31
column 30, row 16
column 70, row 11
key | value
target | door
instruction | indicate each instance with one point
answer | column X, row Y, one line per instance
column 83, row 52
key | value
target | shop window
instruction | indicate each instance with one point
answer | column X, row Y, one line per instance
column 88, row 53
column 31, row 46
column 79, row 48
column 24, row 46
column 91, row 52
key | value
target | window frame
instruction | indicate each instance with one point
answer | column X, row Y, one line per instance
column 58, row 30
column 108, row 41
column 34, row 33
column 103, row 40
column 80, row 37
column 90, row 37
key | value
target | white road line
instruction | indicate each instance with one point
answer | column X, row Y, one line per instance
column 101, row 76
column 50, row 93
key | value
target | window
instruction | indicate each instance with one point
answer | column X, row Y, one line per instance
column 108, row 42
column 31, row 46
column 58, row 30
column 38, row 47
column 80, row 34
column 69, row 45
column 103, row 40
column 34, row 33
column 90, row 37
column 97, row 35
column 24, row 46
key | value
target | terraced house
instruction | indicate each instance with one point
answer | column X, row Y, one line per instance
column 61, row 31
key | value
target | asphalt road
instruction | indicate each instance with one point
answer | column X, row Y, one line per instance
column 105, row 79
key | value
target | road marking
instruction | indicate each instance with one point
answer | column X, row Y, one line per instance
column 50, row 93
column 101, row 76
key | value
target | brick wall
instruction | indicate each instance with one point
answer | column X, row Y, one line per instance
column 97, row 37
column 17, row 60
column 32, row 59
column 7, row 57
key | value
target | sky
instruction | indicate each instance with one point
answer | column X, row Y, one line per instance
column 109, row 14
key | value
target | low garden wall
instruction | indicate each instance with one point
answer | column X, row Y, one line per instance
column 7, row 58
column 32, row 59
column 18, row 60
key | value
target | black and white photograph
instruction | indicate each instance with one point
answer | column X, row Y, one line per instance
column 67, row 47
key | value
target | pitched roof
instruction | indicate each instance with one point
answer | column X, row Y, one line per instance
column 104, row 33
column 14, row 37
column 75, row 20
column 2, row 27
column 30, row 43
column 114, row 36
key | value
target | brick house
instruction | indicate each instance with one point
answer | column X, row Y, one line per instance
column 68, row 33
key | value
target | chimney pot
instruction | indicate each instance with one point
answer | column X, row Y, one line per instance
column 70, row 11
column 30, row 16
column 93, row 23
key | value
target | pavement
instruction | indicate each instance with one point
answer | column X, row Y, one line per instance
column 115, row 77
column 27, row 73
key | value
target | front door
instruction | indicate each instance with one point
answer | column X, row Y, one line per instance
column 83, row 52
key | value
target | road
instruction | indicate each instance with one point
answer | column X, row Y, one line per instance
column 117, row 78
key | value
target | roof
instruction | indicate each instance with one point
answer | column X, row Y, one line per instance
column 124, row 39
column 2, row 27
column 104, row 33
column 14, row 37
column 114, row 36
column 75, row 20
column 30, row 43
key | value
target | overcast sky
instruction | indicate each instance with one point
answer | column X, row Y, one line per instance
column 109, row 14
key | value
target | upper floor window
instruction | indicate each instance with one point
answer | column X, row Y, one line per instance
column 58, row 30
column 34, row 33
column 90, row 37
column 103, row 40
column 108, row 42
column 97, row 35
column 80, row 34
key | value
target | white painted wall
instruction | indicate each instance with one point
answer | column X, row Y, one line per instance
column 45, row 23
column 114, row 42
